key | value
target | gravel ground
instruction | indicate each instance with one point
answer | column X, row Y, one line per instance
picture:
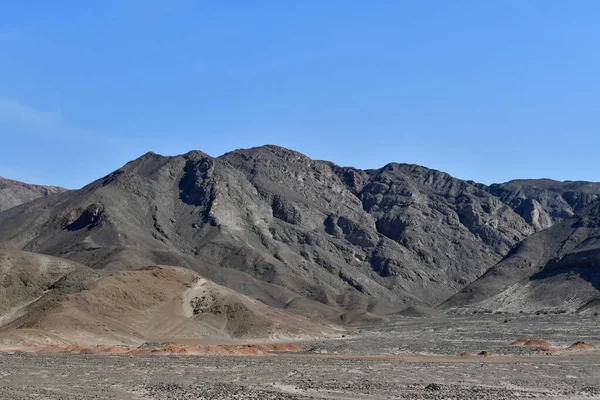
column 354, row 373
column 458, row 333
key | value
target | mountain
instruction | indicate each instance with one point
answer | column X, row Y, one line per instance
column 543, row 202
column 308, row 236
column 154, row 304
column 300, row 234
column 13, row 193
column 557, row 269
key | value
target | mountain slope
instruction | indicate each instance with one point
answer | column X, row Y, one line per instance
column 543, row 202
column 154, row 305
column 13, row 193
column 26, row 277
column 295, row 233
column 556, row 269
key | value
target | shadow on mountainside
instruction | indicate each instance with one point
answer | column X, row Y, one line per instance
column 589, row 273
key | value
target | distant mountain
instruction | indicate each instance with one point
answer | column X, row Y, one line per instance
column 309, row 236
column 13, row 193
column 543, row 202
column 557, row 269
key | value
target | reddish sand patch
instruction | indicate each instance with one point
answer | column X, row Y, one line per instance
column 241, row 350
column 466, row 354
column 541, row 346
column 548, row 350
column 531, row 342
column 286, row 347
column 225, row 349
column 581, row 346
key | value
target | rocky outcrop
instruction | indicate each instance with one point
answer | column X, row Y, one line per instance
column 543, row 202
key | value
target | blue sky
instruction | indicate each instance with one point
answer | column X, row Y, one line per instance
column 484, row 90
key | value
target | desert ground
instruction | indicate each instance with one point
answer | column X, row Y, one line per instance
column 405, row 358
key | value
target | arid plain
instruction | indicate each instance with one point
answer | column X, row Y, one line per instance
column 406, row 358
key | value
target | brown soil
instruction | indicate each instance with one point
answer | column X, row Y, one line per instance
column 581, row 346
column 466, row 354
column 224, row 350
column 157, row 304
column 531, row 342
column 548, row 350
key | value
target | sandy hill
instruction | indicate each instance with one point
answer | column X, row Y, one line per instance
column 14, row 193
column 26, row 277
column 156, row 304
column 557, row 269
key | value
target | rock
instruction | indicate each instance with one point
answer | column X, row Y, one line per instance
column 433, row 387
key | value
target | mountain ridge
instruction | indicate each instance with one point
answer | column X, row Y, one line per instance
column 301, row 234
column 14, row 193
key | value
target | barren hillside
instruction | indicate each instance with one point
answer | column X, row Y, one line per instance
column 298, row 234
column 13, row 193
column 26, row 277
column 275, row 225
column 557, row 269
column 156, row 304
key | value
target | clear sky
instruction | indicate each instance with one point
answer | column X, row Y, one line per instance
column 484, row 90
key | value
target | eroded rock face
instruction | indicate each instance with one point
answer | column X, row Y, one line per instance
column 535, row 214
column 90, row 217
column 544, row 202
column 448, row 223
column 557, row 270
column 286, row 211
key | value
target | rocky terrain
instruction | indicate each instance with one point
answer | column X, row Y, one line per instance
column 543, row 202
column 13, row 193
